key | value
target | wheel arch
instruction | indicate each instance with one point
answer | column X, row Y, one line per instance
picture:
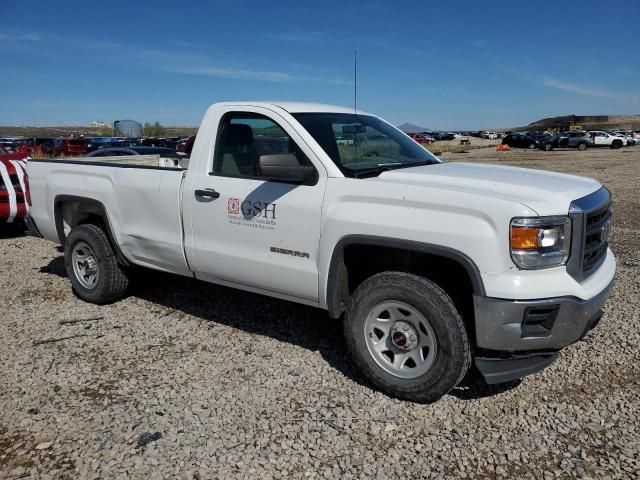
column 71, row 211
column 338, row 288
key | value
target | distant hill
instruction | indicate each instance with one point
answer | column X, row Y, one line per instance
column 587, row 122
column 410, row 128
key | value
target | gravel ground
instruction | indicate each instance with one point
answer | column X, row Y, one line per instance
column 188, row 380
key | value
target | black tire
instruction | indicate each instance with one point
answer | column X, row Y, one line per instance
column 532, row 146
column 453, row 357
column 582, row 146
column 548, row 147
column 112, row 280
column 616, row 144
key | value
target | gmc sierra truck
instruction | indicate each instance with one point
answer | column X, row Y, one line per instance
column 431, row 266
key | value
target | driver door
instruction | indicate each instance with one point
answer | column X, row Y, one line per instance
column 249, row 231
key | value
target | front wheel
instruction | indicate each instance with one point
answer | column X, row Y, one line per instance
column 617, row 144
column 92, row 267
column 407, row 337
column 548, row 147
column 582, row 146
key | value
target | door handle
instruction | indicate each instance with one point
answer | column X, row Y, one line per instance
column 207, row 193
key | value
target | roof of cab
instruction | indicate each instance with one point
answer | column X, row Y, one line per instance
column 297, row 107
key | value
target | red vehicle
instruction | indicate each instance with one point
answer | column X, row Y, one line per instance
column 187, row 145
column 14, row 187
column 421, row 138
column 69, row 147
column 34, row 146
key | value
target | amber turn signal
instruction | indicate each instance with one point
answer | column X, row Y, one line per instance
column 524, row 238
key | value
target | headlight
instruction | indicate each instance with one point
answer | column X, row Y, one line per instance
column 540, row 242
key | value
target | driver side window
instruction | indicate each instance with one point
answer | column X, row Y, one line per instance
column 243, row 138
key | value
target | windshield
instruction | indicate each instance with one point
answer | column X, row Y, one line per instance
column 361, row 145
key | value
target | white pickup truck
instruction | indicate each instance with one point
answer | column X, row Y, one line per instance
column 431, row 265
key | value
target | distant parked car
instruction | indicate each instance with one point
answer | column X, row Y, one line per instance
column 69, row 147
column 604, row 139
column 8, row 145
column 518, row 140
column 440, row 135
column 546, row 141
column 531, row 141
column 490, row 135
column 160, row 142
column 187, row 145
column 95, row 143
column 136, row 150
column 421, row 138
column 630, row 141
column 34, row 146
column 579, row 140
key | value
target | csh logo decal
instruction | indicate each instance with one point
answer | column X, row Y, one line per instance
column 251, row 213
column 233, row 205
column 253, row 209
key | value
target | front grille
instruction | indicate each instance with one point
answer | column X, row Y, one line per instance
column 596, row 238
column 591, row 220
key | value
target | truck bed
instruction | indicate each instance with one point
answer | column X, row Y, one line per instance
column 141, row 193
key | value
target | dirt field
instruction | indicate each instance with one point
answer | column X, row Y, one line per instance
column 188, row 380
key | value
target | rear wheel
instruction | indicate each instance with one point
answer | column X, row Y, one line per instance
column 407, row 337
column 582, row 146
column 616, row 144
column 92, row 267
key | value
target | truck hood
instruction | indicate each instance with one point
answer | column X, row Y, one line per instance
column 547, row 193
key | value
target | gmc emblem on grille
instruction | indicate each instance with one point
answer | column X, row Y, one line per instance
column 604, row 231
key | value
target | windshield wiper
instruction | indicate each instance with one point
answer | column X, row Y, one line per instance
column 384, row 167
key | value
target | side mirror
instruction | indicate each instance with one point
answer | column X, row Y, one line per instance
column 284, row 167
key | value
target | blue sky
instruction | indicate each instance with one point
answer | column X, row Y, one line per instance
column 464, row 64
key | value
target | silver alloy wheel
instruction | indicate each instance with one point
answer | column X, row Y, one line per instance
column 400, row 339
column 85, row 265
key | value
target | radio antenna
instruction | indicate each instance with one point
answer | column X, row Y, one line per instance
column 355, row 81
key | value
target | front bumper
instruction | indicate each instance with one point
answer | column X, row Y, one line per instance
column 546, row 324
column 505, row 369
column 518, row 338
